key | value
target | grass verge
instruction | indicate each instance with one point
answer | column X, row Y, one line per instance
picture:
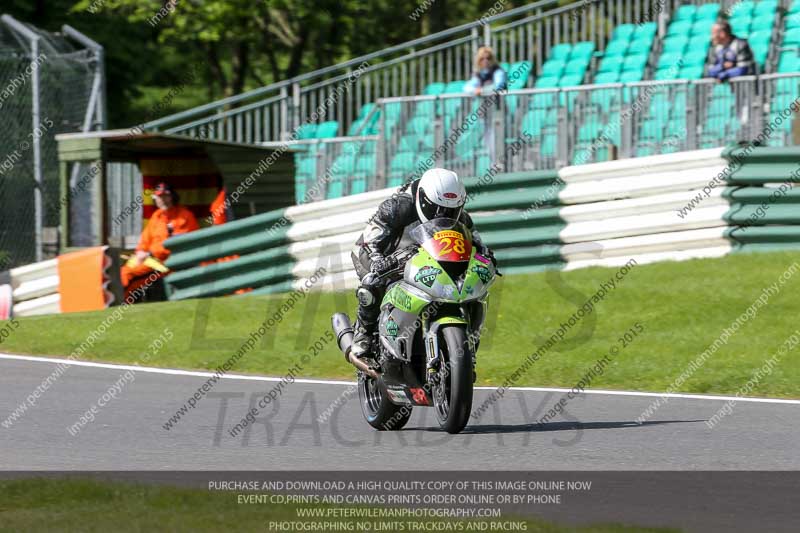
column 682, row 307
column 97, row 506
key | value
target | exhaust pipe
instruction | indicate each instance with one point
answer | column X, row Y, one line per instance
column 344, row 339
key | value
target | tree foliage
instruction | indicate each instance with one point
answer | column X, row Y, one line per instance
column 240, row 44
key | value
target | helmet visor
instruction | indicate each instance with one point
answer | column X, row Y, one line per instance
column 433, row 210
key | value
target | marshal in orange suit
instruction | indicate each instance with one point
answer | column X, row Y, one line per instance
column 168, row 220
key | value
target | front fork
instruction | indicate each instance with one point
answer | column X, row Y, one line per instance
column 430, row 331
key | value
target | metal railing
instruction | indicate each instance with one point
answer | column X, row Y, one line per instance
column 526, row 33
column 548, row 128
column 332, row 167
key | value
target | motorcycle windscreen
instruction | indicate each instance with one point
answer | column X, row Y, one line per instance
column 448, row 245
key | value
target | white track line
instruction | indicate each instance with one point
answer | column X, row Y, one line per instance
column 241, row 377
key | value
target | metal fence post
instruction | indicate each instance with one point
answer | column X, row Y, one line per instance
column 296, row 119
column 562, row 153
column 37, row 148
column 691, row 116
column 284, row 134
column 626, row 135
column 381, row 161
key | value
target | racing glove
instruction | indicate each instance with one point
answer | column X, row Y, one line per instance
column 383, row 265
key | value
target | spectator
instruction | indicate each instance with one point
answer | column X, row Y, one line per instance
column 488, row 74
column 729, row 56
column 168, row 220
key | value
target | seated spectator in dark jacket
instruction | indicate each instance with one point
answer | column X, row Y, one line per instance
column 729, row 56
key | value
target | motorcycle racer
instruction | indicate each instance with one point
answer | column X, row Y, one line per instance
column 439, row 193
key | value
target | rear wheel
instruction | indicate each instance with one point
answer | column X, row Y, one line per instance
column 452, row 395
column 379, row 412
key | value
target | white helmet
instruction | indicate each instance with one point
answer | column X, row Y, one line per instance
column 440, row 194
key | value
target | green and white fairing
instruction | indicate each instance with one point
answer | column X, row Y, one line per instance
column 446, row 269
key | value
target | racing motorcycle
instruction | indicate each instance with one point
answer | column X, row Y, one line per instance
column 428, row 329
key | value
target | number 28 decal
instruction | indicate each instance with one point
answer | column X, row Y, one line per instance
column 451, row 241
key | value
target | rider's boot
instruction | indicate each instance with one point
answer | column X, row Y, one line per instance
column 364, row 339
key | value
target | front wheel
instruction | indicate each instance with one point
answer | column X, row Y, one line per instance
column 379, row 412
column 452, row 396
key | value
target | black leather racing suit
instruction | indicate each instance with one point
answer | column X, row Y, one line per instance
column 380, row 238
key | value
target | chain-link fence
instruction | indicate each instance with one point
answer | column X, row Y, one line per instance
column 49, row 84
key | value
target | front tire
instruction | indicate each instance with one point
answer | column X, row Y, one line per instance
column 379, row 412
column 452, row 396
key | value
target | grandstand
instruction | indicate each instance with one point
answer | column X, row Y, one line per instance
column 589, row 82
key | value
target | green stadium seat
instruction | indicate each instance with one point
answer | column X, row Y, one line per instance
column 409, row 142
column 740, row 26
column 518, row 75
column 418, row 125
column 763, row 22
column 762, row 36
column 616, row 48
column 393, row 111
column 366, row 109
column 792, row 21
column 707, row 12
column 623, row 32
column 685, row 12
column 789, row 63
column 646, row 31
column 606, row 77
column 603, row 98
column 560, row 51
column 553, row 67
column 533, row 122
column 742, row 9
column 694, row 58
column 667, row 60
column 583, row 49
column 635, row 62
column 326, row 130
column 588, row 132
column 675, row 44
column 544, row 100
column 306, row 131
column 765, row 7
column 354, row 127
column 570, row 80
column 575, row 66
column 681, row 27
column 548, row 146
column 699, row 42
column 546, row 82
column 434, row 88
column 611, row 64
column 760, row 51
column 629, row 76
column 402, row 163
column 640, row 46
column 721, row 107
column 702, row 28
column 792, row 37
column 455, row 87
column 795, row 7
column 676, row 127
column 691, row 73
column 666, row 74
column 787, row 86
column 651, row 129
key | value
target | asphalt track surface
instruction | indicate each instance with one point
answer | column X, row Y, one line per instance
column 595, row 432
